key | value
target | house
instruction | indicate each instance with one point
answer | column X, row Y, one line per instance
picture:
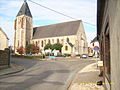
column 4, row 51
column 108, row 33
column 70, row 34
column 94, row 47
column 3, row 40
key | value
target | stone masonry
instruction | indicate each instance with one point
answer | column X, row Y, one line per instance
column 4, row 58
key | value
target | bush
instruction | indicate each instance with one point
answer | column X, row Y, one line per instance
column 32, row 49
column 67, row 55
column 78, row 55
column 56, row 46
column 21, row 50
column 48, row 46
column 30, row 57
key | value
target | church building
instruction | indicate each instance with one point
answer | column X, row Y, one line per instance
column 70, row 34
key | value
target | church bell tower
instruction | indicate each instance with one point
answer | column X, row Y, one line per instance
column 23, row 27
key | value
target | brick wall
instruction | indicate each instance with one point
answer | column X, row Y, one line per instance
column 4, row 58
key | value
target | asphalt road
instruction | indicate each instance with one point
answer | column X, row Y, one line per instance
column 43, row 75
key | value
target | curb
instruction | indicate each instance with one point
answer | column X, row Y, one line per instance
column 69, row 87
column 19, row 69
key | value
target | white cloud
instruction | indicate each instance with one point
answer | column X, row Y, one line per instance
column 79, row 9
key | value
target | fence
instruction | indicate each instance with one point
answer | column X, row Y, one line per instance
column 4, row 58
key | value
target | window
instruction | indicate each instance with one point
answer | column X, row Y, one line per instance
column 58, row 41
column 18, row 43
column 62, row 41
column 48, row 41
column 26, row 43
column 67, row 39
column 52, row 40
column 22, row 36
column 45, row 42
column 105, row 55
column 15, row 24
column 42, row 43
column 22, row 20
column 66, row 48
column 36, row 43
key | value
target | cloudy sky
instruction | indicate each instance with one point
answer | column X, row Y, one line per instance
column 84, row 10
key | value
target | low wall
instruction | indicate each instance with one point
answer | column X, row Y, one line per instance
column 4, row 58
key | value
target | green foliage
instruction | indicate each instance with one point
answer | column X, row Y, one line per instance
column 31, row 48
column 48, row 46
column 67, row 55
column 56, row 46
column 28, row 48
column 78, row 55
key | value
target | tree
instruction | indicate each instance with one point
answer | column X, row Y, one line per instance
column 21, row 50
column 48, row 46
column 57, row 46
column 28, row 48
column 31, row 48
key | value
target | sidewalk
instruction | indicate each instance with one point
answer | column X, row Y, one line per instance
column 86, row 79
column 13, row 69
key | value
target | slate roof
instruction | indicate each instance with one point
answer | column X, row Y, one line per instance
column 94, row 40
column 54, row 30
column 4, row 33
column 24, row 10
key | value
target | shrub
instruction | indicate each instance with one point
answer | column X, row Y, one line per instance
column 30, row 57
column 21, row 50
column 67, row 55
column 48, row 46
column 31, row 48
column 57, row 46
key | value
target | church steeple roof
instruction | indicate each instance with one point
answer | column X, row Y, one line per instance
column 24, row 10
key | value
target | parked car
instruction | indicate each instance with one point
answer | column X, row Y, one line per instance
column 83, row 56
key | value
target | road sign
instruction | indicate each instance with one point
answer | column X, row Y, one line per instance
column 96, row 48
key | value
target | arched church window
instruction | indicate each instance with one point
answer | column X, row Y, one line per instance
column 15, row 24
column 42, row 43
column 58, row 41
column 22, row 21
column 62, row 41
column 36, row 43
column 52, row 40
column 67, row 39
column 66, row 48
column 18, row 43
column 26, row 43
column 49, row 41
column 22, row 36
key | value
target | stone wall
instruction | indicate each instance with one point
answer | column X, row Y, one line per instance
column 4, row 58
